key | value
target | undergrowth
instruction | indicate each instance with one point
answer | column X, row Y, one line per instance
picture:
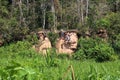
column 20, row 62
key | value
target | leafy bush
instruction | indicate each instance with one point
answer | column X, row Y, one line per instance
column 32, row 38
column 85, row 48
column 16, row 71
column 79, row 55
column 116, row 44
column 94, row 48
column 114, row 27
column 103, row 23
column 19, row 46
column 104, row 52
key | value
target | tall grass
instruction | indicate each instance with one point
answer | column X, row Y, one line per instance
column 19, row 62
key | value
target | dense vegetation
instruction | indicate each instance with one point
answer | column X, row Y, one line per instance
column 19, row 18
column 19, row 62
column 94, row 58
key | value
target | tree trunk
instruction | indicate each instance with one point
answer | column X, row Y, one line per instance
column 27, row 7
column 82, row 18
column 53, row 13
column 21, row 12
column 57, row 6
column 44, row 14
column 78, row 9
column 87, row 5
column 33, row 12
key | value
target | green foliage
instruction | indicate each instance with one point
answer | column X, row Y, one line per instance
column 103, row 23
column 49, row 17
column 94, row 48
column 116, row 43
column 117, row 46
column 18, row 46
column 86, row 47
column 10, row 27
column 53, row 37
column 51, row 58
column 79, row 55
column 114, row 27
column 18, row 61
column 93, row 74
column 18, row 72
column 32, row 38
column 104, row 53
column 25, row 64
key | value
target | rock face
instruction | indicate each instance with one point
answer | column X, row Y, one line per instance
column 1, row 41
column 67, row 43
column 43, row 43
column 102, row 33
